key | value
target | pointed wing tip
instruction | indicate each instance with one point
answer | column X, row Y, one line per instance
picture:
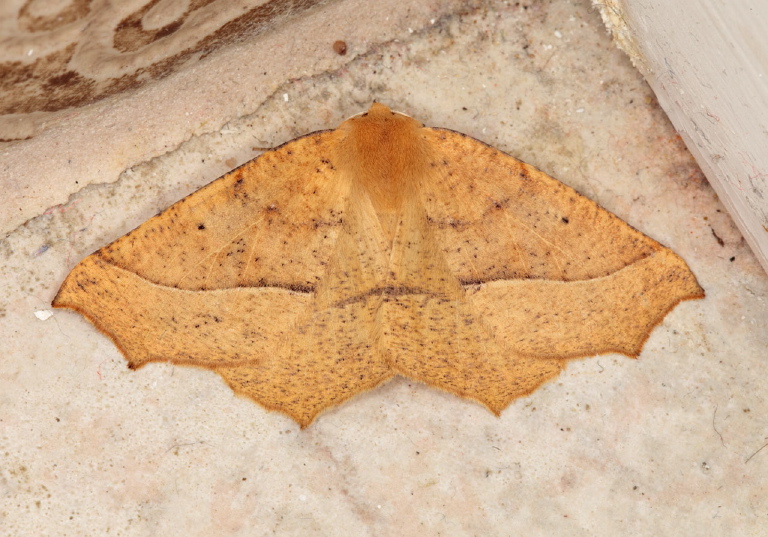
column 60, row 301
column 496, row 411
column 698, row 295
column 303, row 424
column 302, row 419
column 57, row 300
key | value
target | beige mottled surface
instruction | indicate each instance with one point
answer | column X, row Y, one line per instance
column 106, row 75
column 613, row 446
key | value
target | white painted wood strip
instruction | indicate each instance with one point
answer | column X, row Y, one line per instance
column 707, row 62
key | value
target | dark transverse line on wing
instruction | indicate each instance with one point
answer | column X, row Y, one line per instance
column 385, row 291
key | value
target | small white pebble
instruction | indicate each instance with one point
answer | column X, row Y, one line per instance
column 285, row 97
column 303, row 497
column 558, row 34
column 43, row 315
column 579, row 110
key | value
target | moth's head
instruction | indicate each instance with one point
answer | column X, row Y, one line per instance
column 380, row 114
column 384, row 151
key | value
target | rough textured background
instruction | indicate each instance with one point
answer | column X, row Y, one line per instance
column 613, row 446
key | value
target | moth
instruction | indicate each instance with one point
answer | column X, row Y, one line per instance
column 325, row 267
